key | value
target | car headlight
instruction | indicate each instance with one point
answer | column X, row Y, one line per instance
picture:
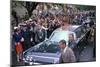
column 27, row 58
column 30, row 59
column 23, row 59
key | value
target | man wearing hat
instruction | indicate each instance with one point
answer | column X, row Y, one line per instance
column 67, row 54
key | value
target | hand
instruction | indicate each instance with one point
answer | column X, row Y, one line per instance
column 31, row 39
column 22, row 39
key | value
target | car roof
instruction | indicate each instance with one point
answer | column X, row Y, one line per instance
column 70, row 28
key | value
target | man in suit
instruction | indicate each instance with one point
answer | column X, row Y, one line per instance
column 72, row 42
column 67, row 54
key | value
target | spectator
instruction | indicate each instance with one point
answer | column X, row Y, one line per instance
column 18, row 38
column 32, row 34
column 27, row 38
column 40, row 35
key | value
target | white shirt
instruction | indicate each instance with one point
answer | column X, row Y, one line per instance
column 65, row 49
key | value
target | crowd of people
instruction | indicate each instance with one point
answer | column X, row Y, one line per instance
column 44, row 20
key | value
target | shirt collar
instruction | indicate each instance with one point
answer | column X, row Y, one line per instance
column 65, row 49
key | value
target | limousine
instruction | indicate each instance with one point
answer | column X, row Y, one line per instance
column 48, row 51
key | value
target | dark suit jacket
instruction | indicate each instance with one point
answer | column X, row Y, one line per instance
column 67, row 56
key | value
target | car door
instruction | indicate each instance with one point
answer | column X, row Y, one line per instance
column 81, row 36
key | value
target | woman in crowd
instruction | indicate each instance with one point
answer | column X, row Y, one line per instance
column 18, row 45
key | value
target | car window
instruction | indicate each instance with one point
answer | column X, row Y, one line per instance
column 59, row 35
column 80, row 31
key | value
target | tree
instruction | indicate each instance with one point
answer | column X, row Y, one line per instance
column 30, row 6
column 85, row 7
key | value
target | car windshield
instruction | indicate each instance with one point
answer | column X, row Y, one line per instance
column 59, row 35
column 47, row 47
column 51, row 45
